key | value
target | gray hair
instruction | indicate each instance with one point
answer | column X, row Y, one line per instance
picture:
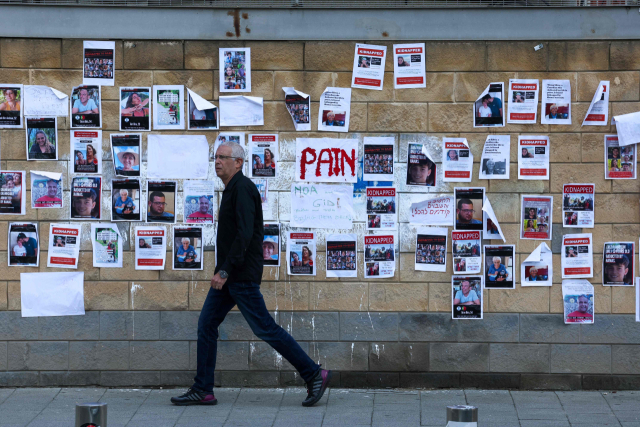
column 496, row 258
column 186, row 239
column 236, row 149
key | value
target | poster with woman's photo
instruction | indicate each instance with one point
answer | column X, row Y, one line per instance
column 488, row 110
column 578, row 302
column 271, row 244
column 379, row 256
column 299, row 107
column 263, row 152
column 421, row 169
column 11, row 111
column 457, row 160
column 523, row 101
column 409, row 66
column 107, row 245
column 86, row 194
column 86, row 151
column 161, row 198
column 301, row 254
column 125, row 200
column 499, row 261
column 99, row 62
column 86, row 108
column 619, row 162
column 466, row 250
column 577, row 256
column 537, row 269
column 23, row 245
column 342, row 255
column 168, row 107
column 496, row 153
column 126, row 153
column 368, row 66
column 235, row 69
column 617, row 264
column 466, row 297
column 536, row 213
column 431, row 249
column 382, row 212
column 203, row 115
column 556, row 102
column 469, row 202
column 334, row 110
column 64, row 245
column 151, row 248
column 135, row 109
column 46, row 190
column 12, row 193
column 199, row 201
column 377, row 163
column 533, row 157
column 578, row 205
column 188, row 248
column 42, row 138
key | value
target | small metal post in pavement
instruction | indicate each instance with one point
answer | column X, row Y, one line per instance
column 91, row 415
column 462, row 416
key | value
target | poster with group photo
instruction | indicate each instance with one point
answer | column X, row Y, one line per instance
column 466, row 250
column 161, row 198
column 382, row 211
column 46, row 190
column 617, row 264
column 457, row 160
column 125, row 200
column 99, row 63
column 619, row 162
column 488, row 110
column 431, row 249
column 199, row 201
column 86, row 107
column 271, row 244
column 301, row 254
column 135, row 109
column 23, row 246
column 11, row 111
column 12, row 193
column 342, row 258
column 107, row 245
column 556, row 102
column 533, row 157
column 299, row 107
column 86, row 151
column 496, row 154
column 469, row 202
column 523, row 101
column 203, row 115
column 188, row 248
column 126, row 153
column 86, row 196
column 235, row 69
column 334, row 110
column 409, row 66
column 577, row 256
column 537, row 268
column 598, row 112
column 578, row 205
column 499, row 261
column 536, row 213
column 578, row 302
column 263, row 152
column 466, row 297
column 368, row 66
column 377, row 163
column 379, row 256
column 421, row 169
column 42, row 138
column 168, row 107
column 151, row 248
column 64, row 245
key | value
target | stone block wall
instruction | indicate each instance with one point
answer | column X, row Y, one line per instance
column 390, row 332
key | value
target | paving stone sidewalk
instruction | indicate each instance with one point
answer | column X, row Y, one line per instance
column 252, row 407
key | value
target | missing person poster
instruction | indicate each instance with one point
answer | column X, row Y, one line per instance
column 86, row 151
column 619, row 162
column 151, row 248
column 488, row 110
column 498, row 266
column 235, row 69
column 577, row 256
column 326, row 160
column 168, row 107
column 203, row 115
column 466, row 297
column 107, row 245
column 42, row 138
column 188, row 248
column 536, row 213
column 617, row 264
column 431, row 249
column 271, row 244
column 382, row 211
column 161, row 197
column 492, row 229
column 64, row 245
column 496, row 154
column 299, row 107
column 334, row 110
column 457, row 160
column 409, row 66
column 537, row 269
column 199, row 201
column 598, row 112
column 23, row 245
column 578, row 205
column 86, row 194
column 262, row 184
column 135, row 109
column 11, row 111
column 342, row 255
column 12, row 193
column 533, row 157
column 99, row 62
column 125, row 200
column 301, row 254
column 469, row 202
column 322, row 206
column 523, row 101
column 556, row 102
column 467, row 253
column 368, row 66
column 438, row 211
column 377, row 163
column 263, row 155
column 86, row 107
column 238, row 138
column 126, row 153
column 46, row 190
column 578, row 302
column 379, row 256
column 421, row 169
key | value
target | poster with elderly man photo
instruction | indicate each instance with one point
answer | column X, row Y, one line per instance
column 578, row 302
column 199, row 201
column 556, row 102
column 125, row 200
column 126, row 153
column 188, row 248
column 496, row 154
column 335, row 108
column 488, row 110
column 499, row 261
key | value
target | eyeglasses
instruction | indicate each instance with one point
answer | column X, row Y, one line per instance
column 467, row 210
column 221, row 157
column 159, row 203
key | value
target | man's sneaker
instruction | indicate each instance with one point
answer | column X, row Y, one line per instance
column 195, row 397
column 316, row 387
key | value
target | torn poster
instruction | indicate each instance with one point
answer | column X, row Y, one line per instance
column 537, row 269
column 523, row 101
column 235, row 69
column 151, row 248
column 107, row 245
column 299, row 107
column 86, row 151
column 241, row 111
column 99, row 63
column 496, row 154
column 377, row 163
column 556, row 102
column 45, row 101
column 437, row 211
column 379, row 256
column 421, row 169
column 135, row 109
column 64, row 245
column 578, row 302
column 52, row 294
column 262, row 184
column 492, row 228
column 46, row 190
column 577, row 256
column 342, row 259
column 326, row 160
column 86, row 107
column 536, row 213
column 578, row 208
column 533, row 157
column 167, row 157
column 11, row 106
column 368, row 66
column 617, row 264
column 322, row 206
column 203, row 115
column 598, row 112
column 431, row 249
column 24, row 248
column 628, row 127
column 409, row 66
column 488, row 110
column 457, row 160
column 619, row 162
column 188, row 248
column 334, row 110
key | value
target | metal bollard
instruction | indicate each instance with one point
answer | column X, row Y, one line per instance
column 462, row 416
column 91, row 415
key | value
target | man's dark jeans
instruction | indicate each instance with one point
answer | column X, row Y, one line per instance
column 251, row 304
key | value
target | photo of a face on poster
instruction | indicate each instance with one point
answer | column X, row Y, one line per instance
column 488, row 110
column 125, row 200
column 42, row 138
column 556, row 102
column 498, row 266
column 271, row 244
column 46, row 190
column 99, row 63
column 135, row 109
column 126, row 154
column 619, row 162
column 377, row 163
column 523, row 101
column 368, row 66
column 203, row 115
column 577, row 256
column 151, row 248
column 334, row 109
column 409, row 66
column 161, row 198
column 187, row 248
column 578, row 205
column 536, row 213
column 263, row 151
column 86, row 151
column 421, row 169
column 466, row 297
column 12, row 193
column 469, row 202
column 299, row 107
column 235, row 69
column 617, row 264
column 199, row 202
column 64, row 245
column 86, row 110
column 107, row 245
column 342, row 255
column 301, row 258
column 537, row 269
column 578, row 301
column 457, row 160
column 168, row 107
column 496, row 153
column 86, row 194
column 11, row 112
column 23, row 244
column 466, row 250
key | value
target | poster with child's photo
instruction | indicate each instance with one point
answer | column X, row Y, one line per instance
column 86, row 194
column 46, row 190
column 23, row 245
column 271, row 244
column 235, row 69
column 42, row 138
column 86, row 108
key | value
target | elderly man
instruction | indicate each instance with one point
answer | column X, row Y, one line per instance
column 497, row 271
column 581, row 315
column 331, row 119
column 553, row 112
column 84, row 104
column 186, row 252
column 202, row 214
column 124, row 204
column 50, row 200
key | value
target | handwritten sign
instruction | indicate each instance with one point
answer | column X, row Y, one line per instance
column 322, row 206
column 438, row 211
column 326, row 160
column 45, row 101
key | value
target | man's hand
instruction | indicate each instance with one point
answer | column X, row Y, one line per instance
column 217, row 282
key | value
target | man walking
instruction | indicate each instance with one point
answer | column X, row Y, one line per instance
column 237, row 281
